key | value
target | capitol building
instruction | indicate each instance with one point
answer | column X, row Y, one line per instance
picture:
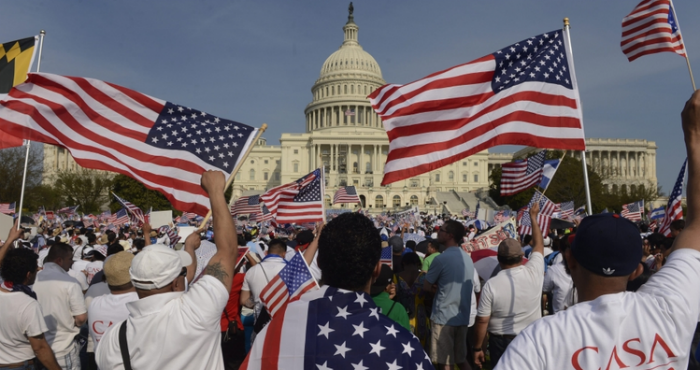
column 344, row 135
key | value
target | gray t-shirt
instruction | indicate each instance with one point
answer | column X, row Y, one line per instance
column 453, row 272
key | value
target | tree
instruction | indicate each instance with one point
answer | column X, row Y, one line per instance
column 86, row 188
column 136, row 193
column 12, row 168
column 43, row 196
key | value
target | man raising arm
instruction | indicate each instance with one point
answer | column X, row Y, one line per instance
column 221, row 265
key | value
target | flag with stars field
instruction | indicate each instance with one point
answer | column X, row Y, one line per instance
column 331, row 328
column 524, row 94
column 163, row 145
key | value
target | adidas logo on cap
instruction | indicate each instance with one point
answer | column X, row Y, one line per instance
column 608, row 271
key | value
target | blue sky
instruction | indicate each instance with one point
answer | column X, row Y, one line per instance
column 255, row 61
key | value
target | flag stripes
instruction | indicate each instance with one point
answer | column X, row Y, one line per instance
column 651, row 28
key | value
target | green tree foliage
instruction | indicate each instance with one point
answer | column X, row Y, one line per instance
column 86, row 188
column 568, row 184
column 43, row 196
column 136, row 193
column 12, row 168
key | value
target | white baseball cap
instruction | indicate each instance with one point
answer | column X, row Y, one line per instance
column 156, row 266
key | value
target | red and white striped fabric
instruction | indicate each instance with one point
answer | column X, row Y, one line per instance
column 135, row 211
column 288, row 285
column 522, row 175
column 674, row 208
column 524, row 94
column 346, row 194
column 246, row 205
column 109, row 127
column 299, row 201
column 651, row 28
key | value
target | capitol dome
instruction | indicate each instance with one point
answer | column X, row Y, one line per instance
column 340, row 93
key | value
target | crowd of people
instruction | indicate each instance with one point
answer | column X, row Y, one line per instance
column 607, row 293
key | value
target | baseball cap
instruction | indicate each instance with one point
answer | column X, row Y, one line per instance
column 607, row 244
column 510, row 248
column 86, row 251
column 116, row 268
column 396, row 244
column 157, row 266
column 384, row 279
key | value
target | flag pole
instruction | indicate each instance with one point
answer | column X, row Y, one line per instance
column 583, row 152
column 555, row 172
column 238, row 167
column 26, row 156
column 687, row 61
column 323, row 189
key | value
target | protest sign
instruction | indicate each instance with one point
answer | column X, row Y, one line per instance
column 160, row 218
column 493, row 237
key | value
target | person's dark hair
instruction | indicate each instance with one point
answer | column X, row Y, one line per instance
column 433, row 243
column 247, row 236
column 348, row 251
column 678, row 225
column 92, row 238
column 410, row 259
column 276, row 246
column 411, row 244
column 527, row 239
column 509, row 261
column 16, row 265
column 643, row 227
column 120, row 288
column 456, row 229
column 97, row 256
column 637, row 283
column 111, row 237
column 59, row 250
column 112, row 249
column 656, row 240
column 139, row 243
column 241, row 240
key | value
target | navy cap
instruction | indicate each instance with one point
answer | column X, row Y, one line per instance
column 607, row 244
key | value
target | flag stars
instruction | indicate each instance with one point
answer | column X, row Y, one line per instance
column 377, row 348
column 343, row 312
column 359, row 366
column 341, row 350
column 180, row 109
column 325, row 330
column 391, row 331
column 360, row 330
column 407, row 349
column 393, row 366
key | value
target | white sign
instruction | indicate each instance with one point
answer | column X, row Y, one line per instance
column 6, row 223
column 185, row 231
column 161, row 218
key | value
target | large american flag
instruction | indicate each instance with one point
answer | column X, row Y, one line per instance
column 633, row 211
column 165, row 146
column 299, row 201
column 132, row 208
column 522, row 175
column 289, row 285
column 651, row 28
column 346, row 194
column 246, row 205
column 335, row 329
column 674, row 209
column 7, row 208
column 524, row 94
column 67, row 210
column 544, row 218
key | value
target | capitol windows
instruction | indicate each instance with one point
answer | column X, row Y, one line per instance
column 414, row 200
column 265, row 176
column 332, row 90
column 345, row 89
column 437, row 177
column 252, row 161
column 296, row 166
column 476, row 177
column 296, row 151
column 465, row 177
column 352, row 89
column 265, row 161
column 464, row 164
column 414, row 183
column 379, row 202
column 238, row 175
column 476, row 164
column 396, row 201
column 451, row 176
column 326, row 91
column 252, row 175
column 276, row 176
column 328, row 200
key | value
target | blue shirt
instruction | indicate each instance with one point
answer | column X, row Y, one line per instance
column 453, row 272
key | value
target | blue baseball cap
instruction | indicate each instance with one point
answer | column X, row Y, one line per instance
column 607, row 244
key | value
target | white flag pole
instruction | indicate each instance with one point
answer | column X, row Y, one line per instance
column 26, row 156
column 687, row 61
column 583, row 152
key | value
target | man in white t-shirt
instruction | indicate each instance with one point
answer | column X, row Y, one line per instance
column 511, row 300
column 22, row 326
column 259, row 275
column 104, row 311
column 558, row 282
column 168, row 327
column 651, row 328
column 62, row 303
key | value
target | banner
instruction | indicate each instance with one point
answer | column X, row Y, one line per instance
column 492, row 237
column 160, row 218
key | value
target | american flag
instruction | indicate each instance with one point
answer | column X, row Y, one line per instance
column 674, row 210
column 133, row 209
column 246, row 205
column 121, row 217
column 522, row 175
column 289, row 285
column 467, row 214
column 524, row 94
column 165, row 146
column 346, row 194
column 335, row 329
column 651, row 28
column 566, row 210
column 349, row 112
column 66, row 210
column 299, row 201
column 387, row 257
column 172, row 234
column 7, row 208
column 544, row 218
column 652, row 225
column 633, row 211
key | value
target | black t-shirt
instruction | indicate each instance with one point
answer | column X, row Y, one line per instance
column 396, row 261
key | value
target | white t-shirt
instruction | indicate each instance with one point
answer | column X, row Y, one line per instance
column 92, row 268
column 80, row 278
column 477, row 289
column 94, row 291
column 79, row 265
column 60, row 298
column 255, row 279
column 42, row 254
column 105, row 311
column 171, row 330
column 559, row 283
column 648, row 329
column 22, row 318
column 513, row 297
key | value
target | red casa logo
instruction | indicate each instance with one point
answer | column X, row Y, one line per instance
column 631, row 355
